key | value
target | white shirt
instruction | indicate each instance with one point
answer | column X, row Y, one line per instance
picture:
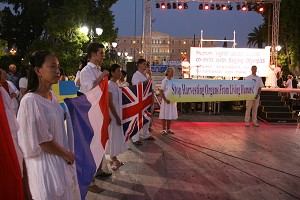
column 138, row 77
column 258, row 82
column 88, row 75
column 289, row 84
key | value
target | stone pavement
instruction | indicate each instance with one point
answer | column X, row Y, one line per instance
column 209, row 157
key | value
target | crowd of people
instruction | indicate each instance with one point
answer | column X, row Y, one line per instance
column 40, row 132
column 39, row 124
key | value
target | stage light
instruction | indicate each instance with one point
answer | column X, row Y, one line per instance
column 206, row 7
column 163, row 6
column 200, row 6
column 244, row 8
column 169, row 6
column 212, row 7
column 238, row 7
column 229, row 7
column 174, row 5
column 249, row 8
column 218, row 7
column 261, row 8
column 180, row 6
column 224, row 7
column 185, row 6
column 157, row 5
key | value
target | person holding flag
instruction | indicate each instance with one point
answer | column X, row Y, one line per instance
column 138, row 77
column 116, row 142
column 90, row 77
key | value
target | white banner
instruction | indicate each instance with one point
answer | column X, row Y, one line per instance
column 236, row 62
column 187, row 90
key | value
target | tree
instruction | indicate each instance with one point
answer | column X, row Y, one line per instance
column 289, row 32
column 256, row 37
column 55, row 25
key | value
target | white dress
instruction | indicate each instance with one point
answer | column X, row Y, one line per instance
column 271, row 80
column 116, row 143
column 42, row 120
column 167, row 111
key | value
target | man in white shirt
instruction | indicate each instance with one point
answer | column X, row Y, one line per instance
column 253, row 104
column 90, row 77
column 138, row 77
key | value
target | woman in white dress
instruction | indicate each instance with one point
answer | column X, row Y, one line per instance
column 271, row 80
column 116, row 142
column 168, row 110
column 42, row 135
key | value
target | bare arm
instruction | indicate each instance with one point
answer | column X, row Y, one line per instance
column 258, row 93
column 164, row 97
column 54, row 148
column 113, row 110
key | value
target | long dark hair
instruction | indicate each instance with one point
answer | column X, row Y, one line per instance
column 37, row 59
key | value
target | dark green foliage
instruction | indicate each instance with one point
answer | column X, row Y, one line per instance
column 32, row 25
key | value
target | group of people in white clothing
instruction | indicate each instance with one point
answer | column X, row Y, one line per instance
column 42, row 130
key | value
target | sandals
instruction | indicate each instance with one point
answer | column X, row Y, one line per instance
column 170, row 131
column 164, row 132
column 115, row 164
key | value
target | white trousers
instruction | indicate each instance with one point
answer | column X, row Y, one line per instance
column 251, row 104
column 144, row 132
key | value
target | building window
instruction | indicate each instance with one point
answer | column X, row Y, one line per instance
column 173, row 51
column 157, row 50
column 138, row 41
column 164, row 41
column 212, row 43
column 173, row 42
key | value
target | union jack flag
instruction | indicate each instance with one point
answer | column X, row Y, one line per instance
column 136, row 107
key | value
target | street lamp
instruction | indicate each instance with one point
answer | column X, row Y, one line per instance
column 111, row 47
column 12, row 51
column 123, row 57
column 90, row 32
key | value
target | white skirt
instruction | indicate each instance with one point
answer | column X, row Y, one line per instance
column 168, row 111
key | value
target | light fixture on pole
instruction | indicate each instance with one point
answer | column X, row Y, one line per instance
column 123, row 57
column 110, row 50
column 90, row 32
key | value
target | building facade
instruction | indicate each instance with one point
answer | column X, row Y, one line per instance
column 164, row 47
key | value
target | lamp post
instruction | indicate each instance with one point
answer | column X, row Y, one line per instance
column 110, row 48
column 123, row 57
column 90, row 32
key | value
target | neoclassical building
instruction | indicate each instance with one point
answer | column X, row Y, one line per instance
column 164, row 47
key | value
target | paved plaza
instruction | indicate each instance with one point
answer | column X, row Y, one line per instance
column 209, row 157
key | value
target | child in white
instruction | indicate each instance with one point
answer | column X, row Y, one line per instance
column 168, row 110
column 116, row 142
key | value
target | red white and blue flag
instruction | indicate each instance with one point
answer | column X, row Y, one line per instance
column 10, row 172
column 90, row 120
column 136, row 107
